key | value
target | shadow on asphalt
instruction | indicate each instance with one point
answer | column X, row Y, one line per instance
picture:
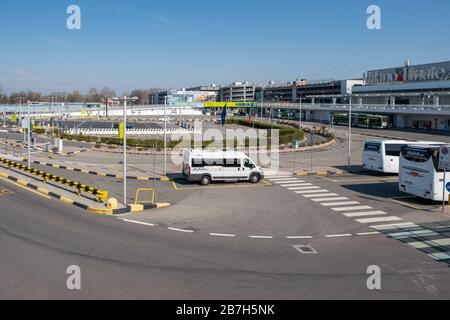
column 360, row 171
column 390, row 191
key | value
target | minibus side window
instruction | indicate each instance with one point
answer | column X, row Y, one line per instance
column 232, row 163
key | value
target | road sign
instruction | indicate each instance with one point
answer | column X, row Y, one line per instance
column 444, row 158
column 448, row 187
column 121, row 130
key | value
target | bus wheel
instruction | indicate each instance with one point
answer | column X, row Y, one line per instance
column 205, row 180
column 255, row 178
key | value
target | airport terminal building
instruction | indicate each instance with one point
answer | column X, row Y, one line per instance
column 423, row 89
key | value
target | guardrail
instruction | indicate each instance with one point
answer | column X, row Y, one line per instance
column 102, row 195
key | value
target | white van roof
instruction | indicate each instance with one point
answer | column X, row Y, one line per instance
column 216, row 154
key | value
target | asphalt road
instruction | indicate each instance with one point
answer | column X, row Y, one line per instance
column 226, row 241
column 41, row 238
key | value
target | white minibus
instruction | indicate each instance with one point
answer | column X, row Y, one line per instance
column 419, row 172
column 383, row 155
column 231, row 166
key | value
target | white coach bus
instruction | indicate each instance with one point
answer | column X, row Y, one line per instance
column 231, row 166
column 420, row 174
column 383, row 155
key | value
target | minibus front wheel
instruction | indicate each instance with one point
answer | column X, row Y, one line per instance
column 205, row 180
column 255, row 178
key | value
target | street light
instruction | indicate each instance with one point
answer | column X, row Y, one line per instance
column 350, row 133
column 29, row 135
column 300, row 116
column 165, row 136
column 125, row 99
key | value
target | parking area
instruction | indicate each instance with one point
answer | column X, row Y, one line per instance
column 382, row 186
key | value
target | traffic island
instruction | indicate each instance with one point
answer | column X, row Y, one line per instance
column 71, row 198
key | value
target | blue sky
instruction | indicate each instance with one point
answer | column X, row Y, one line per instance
column 149, row 43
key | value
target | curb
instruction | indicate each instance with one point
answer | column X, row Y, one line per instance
column 377, row 136
column 320, row 173
column 66, row 200
column 329, row 173
column 50, row 152
column 99, row 173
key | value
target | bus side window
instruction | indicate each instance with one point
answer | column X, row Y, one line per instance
column 393, row 150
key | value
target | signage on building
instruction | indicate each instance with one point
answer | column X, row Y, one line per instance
column 425, row 72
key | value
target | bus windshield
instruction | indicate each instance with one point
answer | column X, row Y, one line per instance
column 420, row 155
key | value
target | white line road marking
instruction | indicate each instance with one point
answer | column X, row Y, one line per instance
column 394, row 226
column 222, row 235
column 337, row 204
column 382, row 219
column 180, row 230
column 284, row 182
column 311, row 191
column 351, row 208
column 321, row 195
column 440, row 255
column 284, row 179
column 299, row 237
column 305, row 249
column 138, row 222
column 299, row 187
column 338, row 235
column 291, row 186
column 330, row 199
column 261, row 237
column 296, row 184
column 278, row 177
column 364, row 214
column 430, row 243
column 367, row 233
column 308, row 188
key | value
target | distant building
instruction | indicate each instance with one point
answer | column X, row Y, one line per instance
column 301, row 90
column 424, row 87
column 182, row 97
column 237, row 92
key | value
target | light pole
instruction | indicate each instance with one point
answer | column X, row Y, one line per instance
column 262, row 102
column 165, row 135
column 300, row 116
column 29, row 135
column 125, row 99
column 350, row 133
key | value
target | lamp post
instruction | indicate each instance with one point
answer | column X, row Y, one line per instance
column 350, row 133
column 165, row 135
column 29, row 135
column 125, row 99
column 300, row 116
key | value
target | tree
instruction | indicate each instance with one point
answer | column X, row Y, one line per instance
column 107, row 92
column 142, row 96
